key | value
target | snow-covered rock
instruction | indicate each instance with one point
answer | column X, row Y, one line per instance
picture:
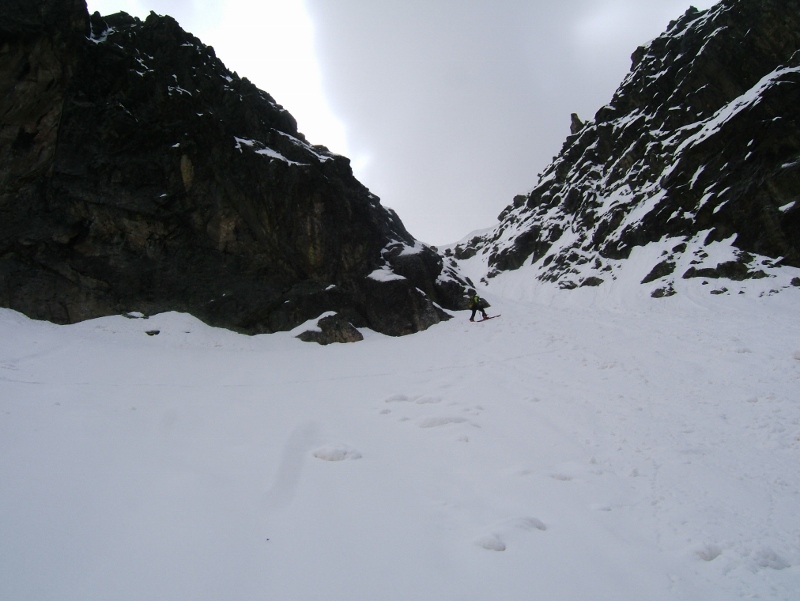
column 697, row 155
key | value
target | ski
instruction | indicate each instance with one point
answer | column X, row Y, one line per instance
column 485, row 318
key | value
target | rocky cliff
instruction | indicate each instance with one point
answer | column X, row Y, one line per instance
column 137, row 173
column 692, row 169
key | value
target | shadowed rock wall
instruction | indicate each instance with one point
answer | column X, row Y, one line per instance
column 137, row 173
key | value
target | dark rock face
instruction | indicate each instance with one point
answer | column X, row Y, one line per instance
column 700, row 145
column 138, row 174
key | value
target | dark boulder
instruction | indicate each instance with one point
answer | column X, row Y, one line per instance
column 330, row 329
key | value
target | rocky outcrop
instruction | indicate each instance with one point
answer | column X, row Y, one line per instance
column 698, row 149
column 137, row 173
column 331, row 328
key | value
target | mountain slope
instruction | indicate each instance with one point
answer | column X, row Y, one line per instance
column 695, row 163
column 140, row 174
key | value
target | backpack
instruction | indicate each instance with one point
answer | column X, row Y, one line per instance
column 476, row 302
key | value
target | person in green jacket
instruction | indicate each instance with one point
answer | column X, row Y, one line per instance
column 476, row 303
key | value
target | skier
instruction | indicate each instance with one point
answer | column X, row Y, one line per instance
column 476, row 303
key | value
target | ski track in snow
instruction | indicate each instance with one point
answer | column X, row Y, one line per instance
column 562, row 452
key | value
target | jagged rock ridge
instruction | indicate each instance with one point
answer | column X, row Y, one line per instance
column 694, row 164
column 137, row 173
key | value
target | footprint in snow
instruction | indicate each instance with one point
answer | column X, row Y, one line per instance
column 767, row 558
column 429, row 421
column 437, row 422
column 336, row 452
column 708, row 552
column 497, row 539
column 419, row 399
column 491, row 542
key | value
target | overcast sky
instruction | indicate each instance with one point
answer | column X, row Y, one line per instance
column 446, row 108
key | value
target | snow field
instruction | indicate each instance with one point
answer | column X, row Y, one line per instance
column 559, row 452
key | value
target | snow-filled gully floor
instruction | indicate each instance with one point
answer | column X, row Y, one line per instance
column 555, row 453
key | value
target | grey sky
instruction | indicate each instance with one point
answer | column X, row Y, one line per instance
column 448, row 108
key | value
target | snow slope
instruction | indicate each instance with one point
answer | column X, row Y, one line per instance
column 597, row 451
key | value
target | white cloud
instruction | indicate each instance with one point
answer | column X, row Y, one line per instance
column 270, row 42
column 615, row 28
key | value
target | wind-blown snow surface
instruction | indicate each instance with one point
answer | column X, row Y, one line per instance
column 582, row 453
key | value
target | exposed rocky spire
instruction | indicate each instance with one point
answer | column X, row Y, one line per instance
column 576, row 124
